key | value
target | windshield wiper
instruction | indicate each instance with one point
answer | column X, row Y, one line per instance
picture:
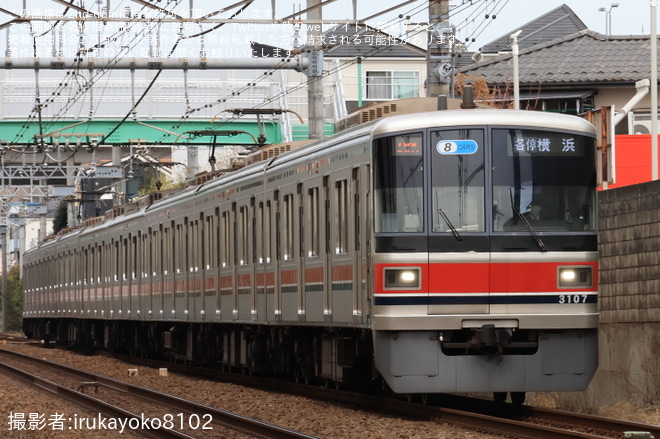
column 526, row 223
column 529, row 227
column 453, row 229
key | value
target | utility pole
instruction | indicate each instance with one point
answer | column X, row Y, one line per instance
column 654, row 90
column 439, row 68
column 315, row 71
column 516, row 76
column 5, row 293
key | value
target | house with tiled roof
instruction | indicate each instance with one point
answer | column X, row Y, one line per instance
column 376, row 66
column 556, row 23
column 575, row 73
column 362, row 65
column 395, row 67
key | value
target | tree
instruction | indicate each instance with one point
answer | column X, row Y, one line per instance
column 15, row 299
column 497, row 98
column 152, row 177
column 61, row 220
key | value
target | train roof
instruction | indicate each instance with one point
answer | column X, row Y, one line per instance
column 274, row 156
column 492, row 117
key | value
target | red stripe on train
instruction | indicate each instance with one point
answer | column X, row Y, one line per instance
column 514, row 277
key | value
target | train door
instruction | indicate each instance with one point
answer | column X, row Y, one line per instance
column 85, row 302
column 313, row 216
column 194, row 288
column 125, row 279
column 328, row 218
column 243, row 290
column 181, row 270
column 135, row 278
column 97, row 280
column 115, row 301
column 259, row 245
column 156, row 271
column 169, row 260
column 211, row 248
column 364, row 307
column 298, row 243
column 292, row 298
column 225, row 297
column 236, row 240
column 267, row 271
column 360, row 194
column 85, row 288
column 141, row 282
column 204, row 265
column 277, row 241
column 341, row 257
column 248, row 281
column 459, row 269
column 90, row 283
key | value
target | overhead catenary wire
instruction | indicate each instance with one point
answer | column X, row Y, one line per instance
column 189, row 111
column 481, row 28
column 62, row 85
column 274, row 98
column 133, row 110
column 401, row 18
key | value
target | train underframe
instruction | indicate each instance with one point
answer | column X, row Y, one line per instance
column 404, row 362
column 328, row 356
column 487, row 360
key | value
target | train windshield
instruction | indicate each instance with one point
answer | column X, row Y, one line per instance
column 457, row 180
column 542, row 180
column 535, row 181
column 398, row 184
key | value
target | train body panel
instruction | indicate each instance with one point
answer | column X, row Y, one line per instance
column 404, row 243
column 565, row 361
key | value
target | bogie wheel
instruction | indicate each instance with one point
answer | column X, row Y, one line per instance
column 499, row 396
column 518, row 398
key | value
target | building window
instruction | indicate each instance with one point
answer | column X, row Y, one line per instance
column 392, row 84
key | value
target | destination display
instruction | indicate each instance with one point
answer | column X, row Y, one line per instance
column 541, row 143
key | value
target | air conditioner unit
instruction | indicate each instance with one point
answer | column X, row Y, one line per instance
column 639, row 123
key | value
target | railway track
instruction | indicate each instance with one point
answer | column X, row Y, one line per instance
column 532, row 422
column 191, row 418
column 16, row 338
column 473, row 413
column 487, row 416
column 495, row 418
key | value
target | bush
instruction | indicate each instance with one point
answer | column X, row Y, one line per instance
column 15, row 299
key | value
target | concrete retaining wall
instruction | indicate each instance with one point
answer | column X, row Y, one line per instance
column 629, row 334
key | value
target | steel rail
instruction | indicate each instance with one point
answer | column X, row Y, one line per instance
column 88, row 402
column 464, row 411
column 472, row 413
column 223, row 417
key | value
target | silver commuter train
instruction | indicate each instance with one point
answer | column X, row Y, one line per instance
column 451, row 251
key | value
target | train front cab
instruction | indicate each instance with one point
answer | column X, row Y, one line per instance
column 485, row 258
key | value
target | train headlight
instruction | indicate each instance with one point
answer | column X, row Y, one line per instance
column 575, row 277
column 407, row 278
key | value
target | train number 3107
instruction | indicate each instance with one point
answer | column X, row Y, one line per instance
column 572, row 298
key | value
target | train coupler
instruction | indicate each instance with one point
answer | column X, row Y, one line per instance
column 491, row 340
